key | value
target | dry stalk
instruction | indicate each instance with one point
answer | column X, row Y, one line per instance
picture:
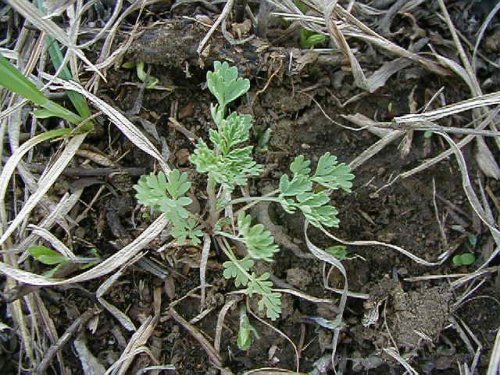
column 63, row 340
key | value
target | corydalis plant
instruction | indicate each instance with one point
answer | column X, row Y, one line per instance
column 228, row 163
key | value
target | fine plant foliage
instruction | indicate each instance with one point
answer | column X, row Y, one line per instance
column 227, row 162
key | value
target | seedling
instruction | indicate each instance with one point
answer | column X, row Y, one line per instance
column 51, row 257
column 228, row 163
column 247, row 333
column 465, row 259
column 150, row 81
column 310, row 39
column 338, row 251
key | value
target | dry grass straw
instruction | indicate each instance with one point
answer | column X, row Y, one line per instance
column 332, row 19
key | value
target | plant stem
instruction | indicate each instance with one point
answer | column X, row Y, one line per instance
column 212, row 201
column 254, row 199
column 229, row 253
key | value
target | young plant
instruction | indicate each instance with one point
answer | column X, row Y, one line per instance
column 465, row 259
column 228, row 163
column 51, row 257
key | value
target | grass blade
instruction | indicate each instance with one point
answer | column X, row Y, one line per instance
column 13, row 80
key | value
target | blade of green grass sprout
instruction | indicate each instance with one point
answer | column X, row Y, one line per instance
column 10, row 166
column 125, row 126
column 76, row 98
column 107, row 266
column 45, row 183
column 13, row 80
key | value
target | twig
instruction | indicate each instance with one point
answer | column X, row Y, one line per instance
column 72, row 329
column 222, row 16
column 91, row 172
column 173, row 123
column 214, row 356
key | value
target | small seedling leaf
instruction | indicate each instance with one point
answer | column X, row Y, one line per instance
column 465, row 259
column 338, row 251
column 47, row 256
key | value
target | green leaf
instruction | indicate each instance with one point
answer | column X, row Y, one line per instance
column 247, row 333
column 234, row 270
column 12, row 79
column 270, row 301
column 258, row 240
column 299, row 185
column 314, row 40
column 151, row 190
column 332, row 175
column 228, row 170
column 231, row 131
column 77, row 99
column 47, row 256
column 465, row 259
column 272, row 304
column 300, row 166
column 225, row 85
column 338, row 251
column 184, row 230
column 178, row 184
column 174, row 208
column 164, row 192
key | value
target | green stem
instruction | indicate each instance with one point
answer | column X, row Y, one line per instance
column 229, row 253
column 228, row 235
column 254, row 199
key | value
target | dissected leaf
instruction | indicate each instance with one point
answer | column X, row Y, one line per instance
column 178, row 184
column 152, row 190
column 224, row 83
column 183, row 230
column 300, row 166
column 299, row 185
column 270, row 301
column 234, row 270
column 231, row 131
column 229, row 170
column 258, row 240
column 332, row 175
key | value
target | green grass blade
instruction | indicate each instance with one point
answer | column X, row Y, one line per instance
column 13, row 80
column 77, row 99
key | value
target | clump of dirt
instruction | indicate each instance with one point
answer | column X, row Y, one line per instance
column 419, row 316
